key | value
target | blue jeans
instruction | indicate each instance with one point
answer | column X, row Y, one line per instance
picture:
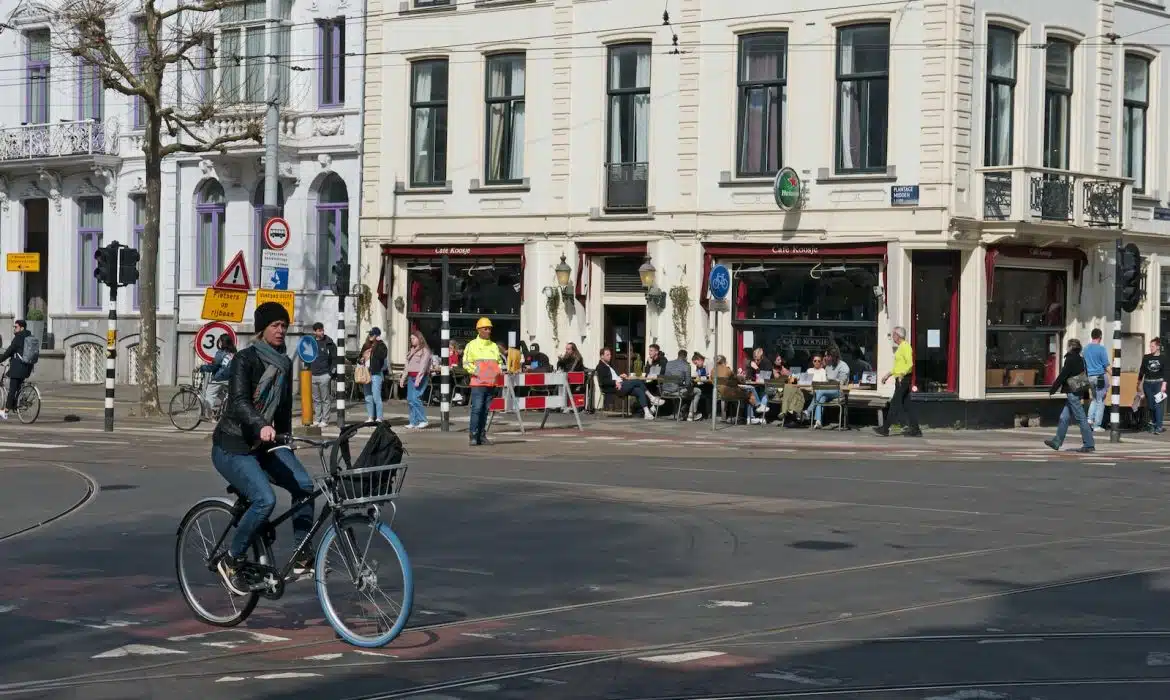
column 1157, row 410
column 250, row 474
column 481, row 399
column 761, row 402
column 820, row 396
column 418, row 412
column 1097, row 408
column 1073, row 410
column 373, row 393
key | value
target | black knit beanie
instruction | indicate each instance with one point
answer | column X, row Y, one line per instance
column 268, row 313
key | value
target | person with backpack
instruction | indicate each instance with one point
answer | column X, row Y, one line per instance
column 22, row 355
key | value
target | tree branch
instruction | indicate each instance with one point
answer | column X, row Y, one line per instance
column 251, row 133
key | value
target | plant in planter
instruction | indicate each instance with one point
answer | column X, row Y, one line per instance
column 552, row 305
column 680, row 300
column 35, row 315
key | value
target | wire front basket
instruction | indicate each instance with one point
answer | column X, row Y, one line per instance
column 368, row 485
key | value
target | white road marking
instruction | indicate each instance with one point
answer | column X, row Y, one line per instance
column 729, row 604
column 547, row 681
column 8, row 608
column 323, row 657
column 95, row 625
column 1158, row 658
column 33, row 445
column 970, row 695
column 483, row 688
column 1018, row 640
column 453, row 570
column 230, row 679
column 478, row 635
column 256, row 636
column 363, row 652
column 798, row 679
column 136, row 650
column 288, row 674
column 681, row 658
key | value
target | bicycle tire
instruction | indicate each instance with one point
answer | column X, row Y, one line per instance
column 259, row 555
column 407, row 584
column 187, row 394
column 25, row 411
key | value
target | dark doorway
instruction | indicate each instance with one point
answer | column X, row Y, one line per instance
column 36, row 240
column 625, row 334
column 935, row 320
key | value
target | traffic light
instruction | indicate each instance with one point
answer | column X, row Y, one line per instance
column 341, row 278
column 106, row 269
column 127, row 266
column 1129, row 278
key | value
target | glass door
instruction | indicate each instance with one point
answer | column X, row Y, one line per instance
column 625, row 334
column 934, row 331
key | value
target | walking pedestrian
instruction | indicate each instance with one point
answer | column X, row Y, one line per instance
column 322, row 368
column 414, row 377
column 1152, row 380
column 481, row 361
column 1096, row 364
column 901, row 407
column 1074, row 382
column 373, row 358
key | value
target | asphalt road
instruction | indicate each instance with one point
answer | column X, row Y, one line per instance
column 614, row 570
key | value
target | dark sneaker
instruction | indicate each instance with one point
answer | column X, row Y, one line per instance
column 232, row 570
column 472, row 442
column 881, row 431
column 912, row 433
column 303, row 566
column 1087, row 450
column 1053, row 444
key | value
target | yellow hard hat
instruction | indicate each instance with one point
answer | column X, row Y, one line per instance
column 484, row 322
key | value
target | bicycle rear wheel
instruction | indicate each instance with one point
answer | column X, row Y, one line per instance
column 28, row 404
column 382, row 568
column 202, row 587
column 186, row 409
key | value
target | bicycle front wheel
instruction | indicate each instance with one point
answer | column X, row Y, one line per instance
column 364, row 581
column 186, row 409
column 28, row 404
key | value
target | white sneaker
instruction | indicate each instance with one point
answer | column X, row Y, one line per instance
column 647, row 414
column 421, row 426
column 656, row 400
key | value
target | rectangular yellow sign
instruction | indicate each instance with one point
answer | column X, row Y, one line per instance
column 286, row 299
column 24, row 262
column 111, row 339
column 224, row 305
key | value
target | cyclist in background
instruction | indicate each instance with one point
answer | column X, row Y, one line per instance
column 220, row 370
column 18, row 368
column 258, row 407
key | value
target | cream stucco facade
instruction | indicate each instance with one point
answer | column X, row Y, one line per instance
column 932, row 192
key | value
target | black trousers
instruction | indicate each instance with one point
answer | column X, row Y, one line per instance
column 901, row 408
column 14, row 385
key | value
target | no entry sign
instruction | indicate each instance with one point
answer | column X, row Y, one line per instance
column 208, row 336
column 276, row 233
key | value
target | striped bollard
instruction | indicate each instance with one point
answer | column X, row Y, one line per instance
column 340, row 368
column 111, row 357
column 445, row 353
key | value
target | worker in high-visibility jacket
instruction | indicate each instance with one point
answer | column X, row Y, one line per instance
column 481, row 360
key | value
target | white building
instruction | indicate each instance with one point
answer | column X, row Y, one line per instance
column 966, row 165
column 72, row 178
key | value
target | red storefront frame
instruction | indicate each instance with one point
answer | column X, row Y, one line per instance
column 389, row 250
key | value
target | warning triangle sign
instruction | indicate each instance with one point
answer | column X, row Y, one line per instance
column 235, row 275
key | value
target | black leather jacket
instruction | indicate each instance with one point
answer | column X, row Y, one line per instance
column 238, row 431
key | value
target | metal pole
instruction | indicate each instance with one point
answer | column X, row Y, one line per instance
column 445, row 342
column 271, row 122
column 715, row 374
column 339, row 368
column 1115, row 415
column 111, row 353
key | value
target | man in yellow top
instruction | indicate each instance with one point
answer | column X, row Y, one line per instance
column 901, row 408
column 481, row 360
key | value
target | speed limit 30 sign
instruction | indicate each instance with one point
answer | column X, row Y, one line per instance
column 208, row 336
column 276, row 233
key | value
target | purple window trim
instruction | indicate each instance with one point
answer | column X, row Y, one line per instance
column 86, row 280
column 35, row 69
column 216, row 211
column 340, row 211
column 331, row 35
column 87, row 74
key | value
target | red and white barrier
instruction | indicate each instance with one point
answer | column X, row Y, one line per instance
column 564, row 398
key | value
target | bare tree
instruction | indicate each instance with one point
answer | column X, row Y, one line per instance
column 144, row 63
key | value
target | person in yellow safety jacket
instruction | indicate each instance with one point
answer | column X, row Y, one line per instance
column 481, row 360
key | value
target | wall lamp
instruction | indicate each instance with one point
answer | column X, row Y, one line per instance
column 654, row 295
column 564, row 281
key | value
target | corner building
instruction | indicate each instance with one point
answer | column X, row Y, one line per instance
column 966, row 168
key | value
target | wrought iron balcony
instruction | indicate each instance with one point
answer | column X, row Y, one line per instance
column 1043, row 195
column 627, row 187
column 59, row 140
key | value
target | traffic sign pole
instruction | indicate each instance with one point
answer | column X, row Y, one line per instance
column 718, row 284
column 111, row 357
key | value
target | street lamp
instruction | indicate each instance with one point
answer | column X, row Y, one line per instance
column 654, row 295
column 564, row 277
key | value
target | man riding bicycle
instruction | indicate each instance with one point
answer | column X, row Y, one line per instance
column 258, row 407
column 18, row 369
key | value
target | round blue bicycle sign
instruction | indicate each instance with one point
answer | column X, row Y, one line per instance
column 719, row 282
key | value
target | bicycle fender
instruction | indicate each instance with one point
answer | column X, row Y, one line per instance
column 213, row 499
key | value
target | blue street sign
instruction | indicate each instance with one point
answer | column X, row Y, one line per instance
column 719, row 282
column 279, row 278
column 307, row 349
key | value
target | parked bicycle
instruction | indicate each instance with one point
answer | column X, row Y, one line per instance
column 352, row 521
column 189, row 408
column 28, row 402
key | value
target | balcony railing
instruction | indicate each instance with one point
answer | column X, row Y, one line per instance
column 1017, row 193
column 627, row 187
column 58, row 140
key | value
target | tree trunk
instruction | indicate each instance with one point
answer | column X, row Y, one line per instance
column 148, row 274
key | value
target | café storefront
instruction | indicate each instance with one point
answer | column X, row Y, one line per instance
column 482, row 280
column 796, row 300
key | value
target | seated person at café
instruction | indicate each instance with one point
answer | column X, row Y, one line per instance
column 836, row 371
column 758, row 371
column 571, row 361
column 729, row 388
column 676, row 378
column 619, row 385
column 699, row 390
column 656, row 363
column 535, row 360
column 779, row 368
